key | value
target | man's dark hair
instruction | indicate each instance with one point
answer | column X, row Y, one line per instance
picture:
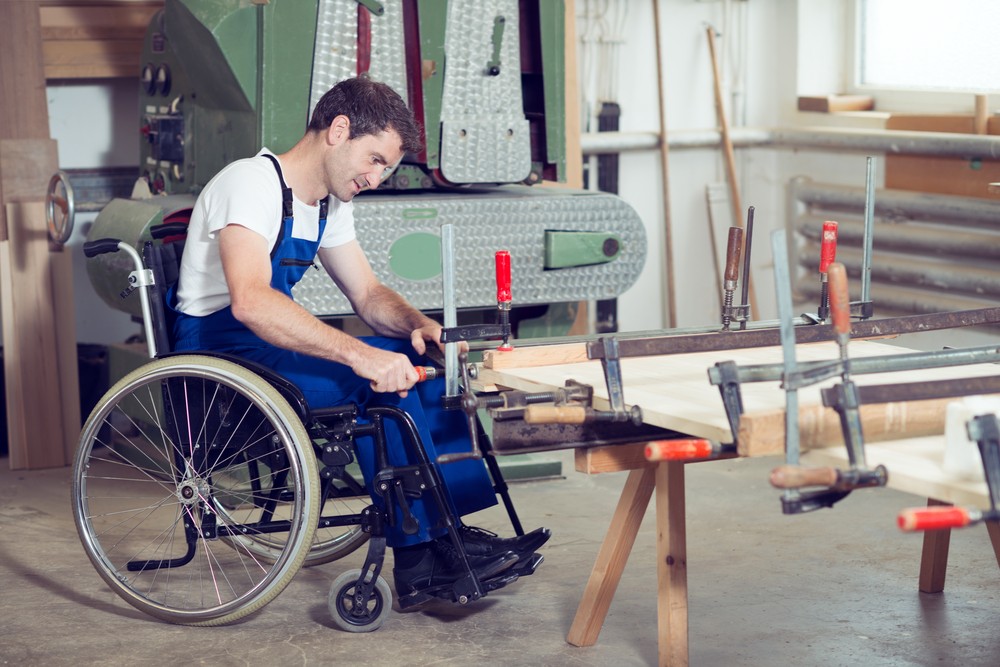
column 372, row 107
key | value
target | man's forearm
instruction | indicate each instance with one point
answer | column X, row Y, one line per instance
column 285, row 324
column 389, row 314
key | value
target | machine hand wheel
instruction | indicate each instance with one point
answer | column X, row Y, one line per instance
column 60, row 208
column 181, row 459
column 350, row 612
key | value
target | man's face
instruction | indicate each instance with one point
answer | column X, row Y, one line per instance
column 359, row 164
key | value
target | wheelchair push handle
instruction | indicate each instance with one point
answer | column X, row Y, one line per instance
column 141, row 278
column 100, row 247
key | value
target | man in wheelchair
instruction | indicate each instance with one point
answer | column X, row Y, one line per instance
column 256, row 228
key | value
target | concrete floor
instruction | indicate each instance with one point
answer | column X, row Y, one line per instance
column 836, row 587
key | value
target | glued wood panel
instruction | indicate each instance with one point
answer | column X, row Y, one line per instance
column 674, row 392
column 915, row 466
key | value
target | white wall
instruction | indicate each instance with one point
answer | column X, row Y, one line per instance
column 769, row 91
column 96, row 125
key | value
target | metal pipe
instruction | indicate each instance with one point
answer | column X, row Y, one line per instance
column 896, row 142
column 916, row 272
column 896, row 204
column 913, row 239
column 449, row 305
column 866, row 260
column 901, row 299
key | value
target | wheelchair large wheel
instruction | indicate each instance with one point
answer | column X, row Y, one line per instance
column 180, row 457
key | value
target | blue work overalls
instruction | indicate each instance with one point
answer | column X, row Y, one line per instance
column 327, row 384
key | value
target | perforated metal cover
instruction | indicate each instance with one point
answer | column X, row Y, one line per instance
column 513, row 218
column 335, row 54
column 484, row 135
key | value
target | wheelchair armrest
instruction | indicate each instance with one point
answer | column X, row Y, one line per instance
column 288, row 390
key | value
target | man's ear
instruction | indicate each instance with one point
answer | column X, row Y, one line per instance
column 339, row 130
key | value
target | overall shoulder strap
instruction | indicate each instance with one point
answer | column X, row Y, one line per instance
column 286, row 202
column 286, row 192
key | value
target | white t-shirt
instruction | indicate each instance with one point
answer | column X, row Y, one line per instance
column 248, row 193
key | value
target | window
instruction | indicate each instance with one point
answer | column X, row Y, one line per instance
column 929, row 45
column 948, row 45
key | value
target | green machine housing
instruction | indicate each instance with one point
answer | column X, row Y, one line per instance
column 486, row 79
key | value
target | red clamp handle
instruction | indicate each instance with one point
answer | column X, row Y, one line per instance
column 828, row 246
column 679, row 450
column 933, row 518
column 503, row 276
column 425, row 373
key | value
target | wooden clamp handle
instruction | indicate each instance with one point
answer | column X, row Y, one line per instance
column 555, row 414
column 793, row 477
column 840, row 300
column 733, row 249
column 933, row 518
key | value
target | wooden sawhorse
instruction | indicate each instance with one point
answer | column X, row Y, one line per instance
column 667, row 478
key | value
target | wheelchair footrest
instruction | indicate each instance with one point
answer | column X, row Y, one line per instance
column 523, row 568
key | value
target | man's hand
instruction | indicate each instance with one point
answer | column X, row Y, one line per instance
column 432, row 333
column 387, row 371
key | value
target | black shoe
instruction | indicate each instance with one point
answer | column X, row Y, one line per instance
column 481, row 542
column 434, row 572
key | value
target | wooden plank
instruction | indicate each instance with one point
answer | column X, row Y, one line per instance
column 612, row 557
column 26, row 165
column 61, row 268
column 671, row 567
column 91, row 58
column 944, row 175
column 13, row 401
column 835, row 103
column 934, row 556
column 23, row 106
column 118, row 20
column 763, row 434
column 538, row 355
column 574, row 153
column 594, row 460
column 31, row 368
column 37, row 434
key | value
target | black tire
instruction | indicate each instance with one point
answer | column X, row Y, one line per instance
column 345, row 611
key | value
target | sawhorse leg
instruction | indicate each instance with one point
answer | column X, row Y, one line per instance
column 934, row 558
column 671, row 569
column 671, row 547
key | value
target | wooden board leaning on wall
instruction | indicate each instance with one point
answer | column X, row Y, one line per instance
column 936, row 174
column 97, row 40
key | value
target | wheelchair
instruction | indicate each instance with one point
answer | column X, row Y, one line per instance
column 203, row 482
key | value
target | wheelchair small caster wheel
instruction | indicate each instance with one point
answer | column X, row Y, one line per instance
column 353, row 615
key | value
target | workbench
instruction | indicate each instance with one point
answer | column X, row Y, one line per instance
column 674, row 393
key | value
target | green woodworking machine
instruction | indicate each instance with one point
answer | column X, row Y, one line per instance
column 485, row 78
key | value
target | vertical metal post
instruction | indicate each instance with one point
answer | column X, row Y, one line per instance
column 866, row 258
column 450, row 308
column 783, row 292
